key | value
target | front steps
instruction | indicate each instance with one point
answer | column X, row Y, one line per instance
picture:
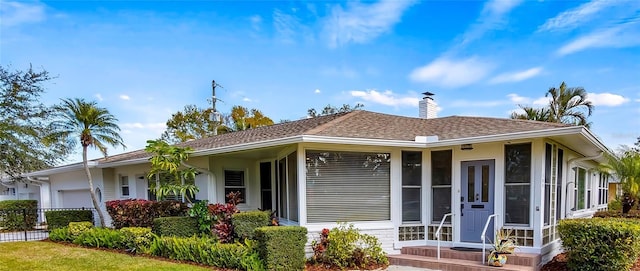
column 452, row 260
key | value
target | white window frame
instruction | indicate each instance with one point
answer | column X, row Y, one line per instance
column 242, row 187
column 576, row 188
column 413, row 187
column 122, row 186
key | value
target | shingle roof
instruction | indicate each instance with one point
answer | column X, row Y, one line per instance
column 364, row 124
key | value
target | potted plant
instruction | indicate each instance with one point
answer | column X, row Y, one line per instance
column 504, row 243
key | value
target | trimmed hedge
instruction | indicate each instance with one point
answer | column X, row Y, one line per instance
column 282, row 248
column 136, row 239
column 612, row 213
column 207, row 251
column 141, row 213
column 180, row 226
column 77, row 228
column 245, row 223
column 61, row 218
column 600, row 244
column 18, row 214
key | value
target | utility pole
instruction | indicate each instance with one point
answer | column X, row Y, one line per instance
column 215, row 115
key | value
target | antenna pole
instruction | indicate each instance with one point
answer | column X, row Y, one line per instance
column 214, row 114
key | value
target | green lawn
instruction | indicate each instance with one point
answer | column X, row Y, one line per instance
column 37, row 255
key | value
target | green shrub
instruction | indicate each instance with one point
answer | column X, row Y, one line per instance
column 136, row 239
column 200, row 211
column 615, row 205
column 600, row 244
column 141, row 213
column 60, row 235
column 58, row 219
column 282, row 248
column 180, row 226
column 245, row 224
column 346, row 247
column 634, row 213
column 100, row 237
column 77, row 228
column 207, row 251
column 18, row 214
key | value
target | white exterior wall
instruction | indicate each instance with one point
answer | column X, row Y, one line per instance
column 73, row 181
column 252, row 181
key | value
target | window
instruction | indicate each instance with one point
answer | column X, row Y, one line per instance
column 265, row 185
column 603, row 189
column 580, row 188
column 441, row 162
column 124, row 186
column 234, row 182
column 560, row 172
column 517, row 183
column 347, row 186
column 287, row 188
column 411, row 186
column 547, row 181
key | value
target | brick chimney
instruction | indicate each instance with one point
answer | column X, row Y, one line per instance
column 428, row 107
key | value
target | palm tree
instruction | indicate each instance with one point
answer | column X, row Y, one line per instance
column 531, row 113
column 567, row 105
column 94, row 126
column 625, row 166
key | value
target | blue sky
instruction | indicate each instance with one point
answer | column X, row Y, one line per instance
column 144, row 60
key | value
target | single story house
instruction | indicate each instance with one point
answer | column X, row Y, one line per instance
column 395, row 177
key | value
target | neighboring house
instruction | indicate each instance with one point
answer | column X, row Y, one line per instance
column 27, row 190
column 392, row 176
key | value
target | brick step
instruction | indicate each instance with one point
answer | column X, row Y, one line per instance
column 523, row 259
column 450, row 264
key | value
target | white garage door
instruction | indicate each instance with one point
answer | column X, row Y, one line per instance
column 76, row 199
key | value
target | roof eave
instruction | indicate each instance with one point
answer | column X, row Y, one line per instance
column 60, row 169
column 507, row 137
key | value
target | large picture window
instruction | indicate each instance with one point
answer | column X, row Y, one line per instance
column 517, row 183
column 347, row 186
column 411, row 186
column 441, row 162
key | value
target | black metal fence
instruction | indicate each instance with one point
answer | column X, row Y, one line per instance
column 29, row 224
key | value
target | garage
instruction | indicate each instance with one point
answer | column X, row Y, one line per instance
column 75, row 198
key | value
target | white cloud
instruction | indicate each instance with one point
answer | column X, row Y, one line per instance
column 542, row 101
column 256, row 22
column 606, row 99
column 286, row 25
column 491, row 17
column 360, row 23
column 452, row 73
column 99, row 97
column 245, row 99
column 125, row 97
column 317, row 91
column 516, row 76
column 16, row 13
column 515, row 98
column 572, row 18
column 620, row 36
column 386, row 97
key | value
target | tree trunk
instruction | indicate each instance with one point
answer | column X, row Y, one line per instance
column 96, row 204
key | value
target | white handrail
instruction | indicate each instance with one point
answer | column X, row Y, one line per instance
column 483, row 237
column 440, row 228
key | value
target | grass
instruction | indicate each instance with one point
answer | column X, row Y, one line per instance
column 37, row 255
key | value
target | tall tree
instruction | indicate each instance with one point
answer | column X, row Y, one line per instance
column 243, row 118
column 569, row 105
column 23, row 124
column 79, row 121
column 330, row 109
column 191, row 123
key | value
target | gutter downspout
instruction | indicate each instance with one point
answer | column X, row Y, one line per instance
column 571, row 161
column 45, row 192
